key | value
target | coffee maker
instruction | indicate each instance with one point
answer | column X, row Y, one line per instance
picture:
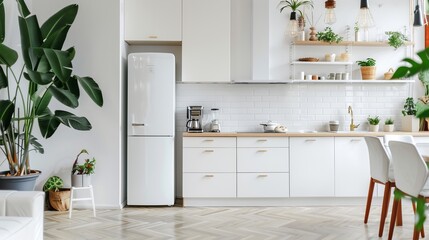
column 194, row 115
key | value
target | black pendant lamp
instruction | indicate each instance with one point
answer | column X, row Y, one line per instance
column 365, row 19
column 418, row 16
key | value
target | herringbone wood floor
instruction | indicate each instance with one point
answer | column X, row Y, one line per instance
column 306, row 223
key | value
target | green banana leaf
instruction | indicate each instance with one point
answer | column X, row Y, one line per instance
column 422, row 110
column 92, row 89
column 3, row 79
column 73, row 121
column 48, row 123
column 64, row 96
column 7, row 108
column 2, row 22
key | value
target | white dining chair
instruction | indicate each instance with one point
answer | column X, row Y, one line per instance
column 394, row 137
column 411, row 174
column 379, row 162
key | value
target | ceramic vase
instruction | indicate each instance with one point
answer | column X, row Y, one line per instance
column 373, row 128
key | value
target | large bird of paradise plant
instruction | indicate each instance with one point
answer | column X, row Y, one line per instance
column 46, row 74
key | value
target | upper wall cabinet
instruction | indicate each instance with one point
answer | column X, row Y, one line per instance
column 206, row 41
column 153, row 21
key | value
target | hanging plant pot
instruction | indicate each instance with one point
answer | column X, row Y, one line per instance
column 19, row 183
column 368, row 72
column 81, row 180
column 60, row 200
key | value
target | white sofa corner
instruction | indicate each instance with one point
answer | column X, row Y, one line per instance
column 21, row 215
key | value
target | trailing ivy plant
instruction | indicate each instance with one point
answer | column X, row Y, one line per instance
column 396, row 39
column 328, row 36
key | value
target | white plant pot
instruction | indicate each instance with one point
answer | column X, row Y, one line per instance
column 410, row 123
column 373, row 128
column 388, row 128
column 81, row 180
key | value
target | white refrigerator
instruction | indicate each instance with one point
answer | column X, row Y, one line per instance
column 151, row 110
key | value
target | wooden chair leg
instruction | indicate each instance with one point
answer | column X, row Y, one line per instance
column 422, row 232
column 393, row 218
column 416, row 234
column 384, row 208
column 369, row 199
column 399, row 214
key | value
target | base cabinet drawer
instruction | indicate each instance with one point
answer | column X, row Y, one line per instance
column 262, row 159
column 210, row 142
column 209, row 185
column 262, row 185
column 263, row 142
column 209, row 159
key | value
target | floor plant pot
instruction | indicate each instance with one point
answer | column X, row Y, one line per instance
column 388, row 128
column 19, row 183
column 368, row 72
column 60, row 200
column 410, row 123
column 81, row 180
column 373, row 128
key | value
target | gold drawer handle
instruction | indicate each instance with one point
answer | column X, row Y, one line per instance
column 208, row 140
column 262, row 140
column 152, row 36
column 209, row 175
column 355, row 140
column 262, row 150
column 208, row 150
column 262, row 175
column 310, row 140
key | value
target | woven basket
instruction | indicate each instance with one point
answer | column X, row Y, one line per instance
column 60, row 200
column 388, row 75
column 368, row 72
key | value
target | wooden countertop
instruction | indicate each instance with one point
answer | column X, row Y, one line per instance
column 303, row 134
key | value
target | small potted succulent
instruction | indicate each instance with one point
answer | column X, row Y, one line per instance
column 58, row 198
column 373, row 123
column 410, row 123
column 388, row 125
column 81, row 173
column 367, row 68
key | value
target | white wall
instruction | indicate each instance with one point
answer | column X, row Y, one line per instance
column 96, row 35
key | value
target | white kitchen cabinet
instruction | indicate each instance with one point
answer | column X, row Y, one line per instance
column 312, row 167
column 351, row 167
column 153, row 21
column 202, row 185
column 206, row 41
column 209, row 159
column 262, row 167
column 209, row 167
column 263, row 185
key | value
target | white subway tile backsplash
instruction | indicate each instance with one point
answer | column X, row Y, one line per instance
column 298, row 106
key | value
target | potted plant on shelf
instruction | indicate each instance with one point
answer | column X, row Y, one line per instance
column 81, row 173
column 373, row 123
column 367, row 68
column 328, row 36
column 294, row 5
column 396, row 39
column 58, row 197
column 388, row 125
column 356, row 28
column 409, row 121
column 46, row 74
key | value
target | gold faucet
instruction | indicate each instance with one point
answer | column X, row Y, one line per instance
column 352, row 125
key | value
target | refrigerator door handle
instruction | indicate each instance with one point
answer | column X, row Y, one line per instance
column 137, row 124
